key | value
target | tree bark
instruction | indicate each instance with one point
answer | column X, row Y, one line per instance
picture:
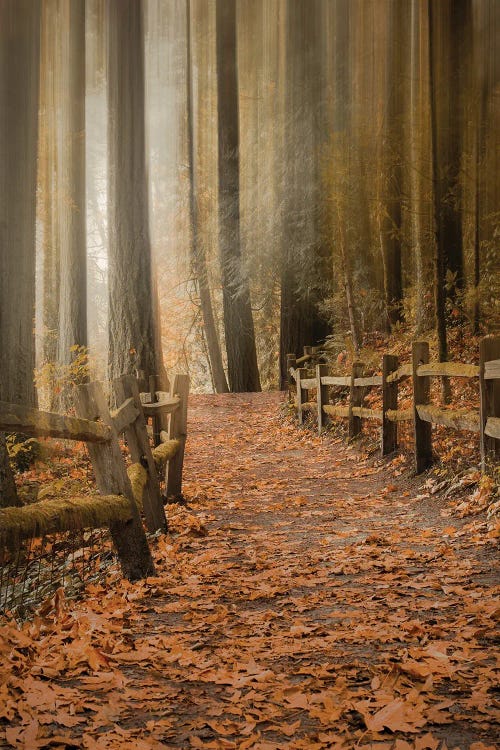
column 19, row 77
column 72, row 208
column 441, row 225
column 242, row 366
column 198, row 259
column 131, row 325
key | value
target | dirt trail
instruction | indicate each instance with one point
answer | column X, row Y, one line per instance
column 305, row 599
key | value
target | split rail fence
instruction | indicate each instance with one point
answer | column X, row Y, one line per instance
column 423, row 414
column 124, row 493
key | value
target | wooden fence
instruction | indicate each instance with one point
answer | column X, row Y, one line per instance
column 423, row 414
column 123, row 493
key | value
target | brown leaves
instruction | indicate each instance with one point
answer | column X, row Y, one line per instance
column 303, row 601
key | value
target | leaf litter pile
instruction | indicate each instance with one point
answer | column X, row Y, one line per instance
column 306, row 597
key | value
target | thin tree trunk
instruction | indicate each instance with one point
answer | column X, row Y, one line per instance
column 238, row 321
column 198, row 258
column 131, row 325
column 348, row 286
column 73, row 244
column 439, row 224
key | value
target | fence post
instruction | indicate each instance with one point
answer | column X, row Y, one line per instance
column 421, row 395
column 291, row 363
column 140, row 450
column 356, row 395
column 389, row 401
column 177, row 431
column 111, row 479
column 489, row 393
column 300, row 373
column 322, row 396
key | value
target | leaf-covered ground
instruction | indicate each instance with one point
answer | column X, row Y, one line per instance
column 306, row 598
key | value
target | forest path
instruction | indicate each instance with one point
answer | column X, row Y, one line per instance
column 302, row 600
column 325, row 599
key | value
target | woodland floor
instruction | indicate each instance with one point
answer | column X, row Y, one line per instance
column 307, row 597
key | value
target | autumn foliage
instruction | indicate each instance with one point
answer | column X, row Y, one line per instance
column 307, row 597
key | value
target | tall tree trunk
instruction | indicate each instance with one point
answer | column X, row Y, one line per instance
column 72, row 208
column 238, row 322
column 19, row 84
column 62, row 209
column 131, row 325
column 198, row 259
column 305, row 262
column 389, row 182
column 420, row 168
column 441, row 224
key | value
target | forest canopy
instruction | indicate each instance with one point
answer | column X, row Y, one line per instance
column 208, row 185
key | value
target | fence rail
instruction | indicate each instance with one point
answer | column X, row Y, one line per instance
column 423, row 414
column 123, row 493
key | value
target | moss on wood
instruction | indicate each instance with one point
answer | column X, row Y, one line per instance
column 165, row 452
column 68, row 514
column 138, row 479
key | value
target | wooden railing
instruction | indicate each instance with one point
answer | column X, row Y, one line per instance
column 485, row 421
column 123, row 493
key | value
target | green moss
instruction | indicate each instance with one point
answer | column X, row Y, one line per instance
column 51, row 516
column 165, row 452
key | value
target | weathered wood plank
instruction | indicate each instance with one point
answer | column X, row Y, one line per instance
column 404, row 371
column 489, row 394
column 399, row 415
column 448, row 369
column 336, row 411
column 111, row 479
column 62, row 514
column 293, row 373
column 367, row 382
column 322, row 397
column 458, row 419
column 14, row 418
column 140, row 451
column 308, row 383
column 125, row 415
column 178, row 431
column 362, row 413
column 492, row 428
column 355, row 400
column 300, row 372
column 389, row 437
column 421, row 396
column 492, row 369
column 336, row 380
column 167, row 406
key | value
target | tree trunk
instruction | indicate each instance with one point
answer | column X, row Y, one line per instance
column 131, row 325
column 419, row 178
column 306, row 268
column 441, row 225
column 72, row 207
column 238, row 321
column 198, row 259
column 19, row 77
